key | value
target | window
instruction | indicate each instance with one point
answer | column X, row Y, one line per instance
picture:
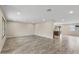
column 77, row 28
column 72, row 27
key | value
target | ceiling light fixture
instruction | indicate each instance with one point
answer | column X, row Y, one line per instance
column 18, row 13
column 71, row 12
column 63, row 19
column 44, row 19
column 49, row 10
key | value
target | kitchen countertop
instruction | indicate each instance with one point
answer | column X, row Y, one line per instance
column 73, row 35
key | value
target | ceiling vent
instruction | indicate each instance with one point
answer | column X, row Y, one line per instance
column 49, row 10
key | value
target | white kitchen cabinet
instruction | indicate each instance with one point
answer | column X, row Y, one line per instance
column 72, row 42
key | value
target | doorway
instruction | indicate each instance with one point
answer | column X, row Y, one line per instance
column 57, row 32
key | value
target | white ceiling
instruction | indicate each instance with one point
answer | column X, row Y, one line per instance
column 38, row 13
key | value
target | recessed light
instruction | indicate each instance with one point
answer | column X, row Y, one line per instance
column 63, row 19
column 71, row 12
column 44, row 19
column 18, row 13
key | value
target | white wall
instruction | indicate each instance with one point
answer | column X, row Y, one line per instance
column 44, row 29
column 2, row 40
column 15, row 29
column 0, row 32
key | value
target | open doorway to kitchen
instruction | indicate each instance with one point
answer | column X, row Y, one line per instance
column 57, row 31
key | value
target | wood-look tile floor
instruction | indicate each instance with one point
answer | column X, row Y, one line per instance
column 34, row 45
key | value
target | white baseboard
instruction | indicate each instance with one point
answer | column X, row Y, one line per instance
column 29, row 35
column 17, row 36
column 45, row 36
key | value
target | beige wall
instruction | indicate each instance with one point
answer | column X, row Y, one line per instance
column 44, row 29
column 15, row 29
column 65, row 29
